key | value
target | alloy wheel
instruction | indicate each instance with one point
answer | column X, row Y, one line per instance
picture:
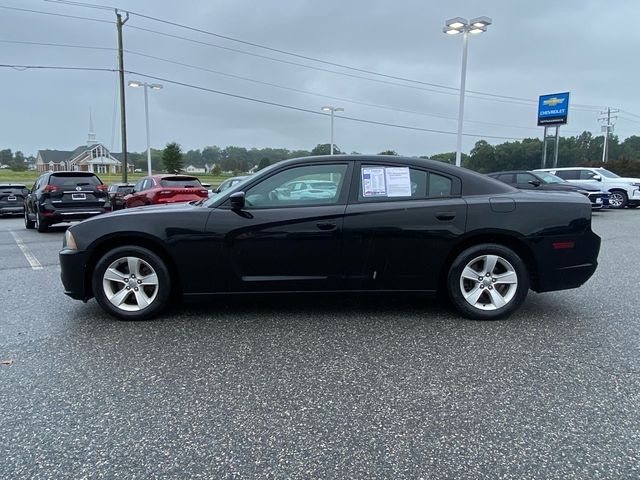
column 130, row 284
column 488, row 282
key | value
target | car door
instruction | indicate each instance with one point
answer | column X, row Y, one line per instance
column 280, row 242
column 398, row 227
column 139, row 195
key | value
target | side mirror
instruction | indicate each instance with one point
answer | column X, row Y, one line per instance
column 535, row 183
column 597, row 177
column 237, row 200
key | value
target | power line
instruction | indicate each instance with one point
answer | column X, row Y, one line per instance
column 306, row 110
column 230, row 75
column 56, row 67
column 55, row 14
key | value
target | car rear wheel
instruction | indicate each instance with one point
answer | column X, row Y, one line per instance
column 131, row 283
column 618, row 199
column 40, row 223
column 487, row 282
column 28, row 224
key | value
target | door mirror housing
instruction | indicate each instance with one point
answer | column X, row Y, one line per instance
column 597, row 177
column 535, row 183
column 237, row 200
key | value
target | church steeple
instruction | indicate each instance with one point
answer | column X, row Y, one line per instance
column 91, row 138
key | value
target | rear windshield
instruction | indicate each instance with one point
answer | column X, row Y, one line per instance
column 181, row 182
column 126, row 189
column 74, row 180
column 13, row 189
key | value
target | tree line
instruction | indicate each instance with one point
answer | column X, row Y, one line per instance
column 581, row 150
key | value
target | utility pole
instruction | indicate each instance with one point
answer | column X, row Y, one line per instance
column 123, row 117
column 608, row 122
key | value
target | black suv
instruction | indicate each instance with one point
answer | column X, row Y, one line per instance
column 117, row 192
column 64, row 197
column 12, row 199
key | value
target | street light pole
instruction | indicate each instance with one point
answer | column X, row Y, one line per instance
column 332, row 110
column 146, row 86
column 456, row 26
column 463, row 82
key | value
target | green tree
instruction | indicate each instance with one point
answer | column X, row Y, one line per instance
column 172, row 158
column 264, row 163
column 6, row 157
column 18, row 164
column 389, row 152
column 325, row 149
column 216, row 171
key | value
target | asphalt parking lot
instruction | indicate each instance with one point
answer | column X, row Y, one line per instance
column 320, row 387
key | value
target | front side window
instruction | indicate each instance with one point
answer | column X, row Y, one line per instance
column 299, row 186
column 587, row 175
column 524, row 177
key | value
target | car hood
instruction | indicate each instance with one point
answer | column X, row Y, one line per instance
column 626, row 179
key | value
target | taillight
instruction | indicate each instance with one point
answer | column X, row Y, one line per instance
column 50, row 188
column 102, row 187
column 203, row 193
column 165, row 193
column 563, row 245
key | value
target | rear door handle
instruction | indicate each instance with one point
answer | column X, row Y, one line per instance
column 326, row 226
column 445, row 216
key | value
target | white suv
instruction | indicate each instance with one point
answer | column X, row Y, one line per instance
column 625, row 192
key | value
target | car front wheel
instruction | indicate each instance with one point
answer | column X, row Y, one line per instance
column 487, row 282
column 618, row 199
column 131, row 283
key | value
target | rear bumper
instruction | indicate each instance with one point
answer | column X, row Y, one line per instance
column 59, row 215
column 565, row 268
column 13, row 209
column 73, row 269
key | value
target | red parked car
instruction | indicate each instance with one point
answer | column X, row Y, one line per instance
column 159, row 189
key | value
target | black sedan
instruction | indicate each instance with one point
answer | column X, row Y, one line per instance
column 545, row 181
column 391, row 224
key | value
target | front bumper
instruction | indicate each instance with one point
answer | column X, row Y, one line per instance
column 73, row 273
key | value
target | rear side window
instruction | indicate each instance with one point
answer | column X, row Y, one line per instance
column 568, row 174
column 381, row 183
column 180, row 182
column 73, row 181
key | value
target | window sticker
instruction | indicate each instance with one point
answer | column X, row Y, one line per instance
column 398, row 181
column 373, row 182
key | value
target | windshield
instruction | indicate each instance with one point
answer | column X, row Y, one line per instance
column 549, row 178
column 606, row 173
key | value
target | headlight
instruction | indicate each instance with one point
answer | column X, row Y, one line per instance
column 69, row 241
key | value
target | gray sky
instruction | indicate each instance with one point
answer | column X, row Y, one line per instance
column 532, row 48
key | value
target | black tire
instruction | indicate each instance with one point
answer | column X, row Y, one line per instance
column 618, row 199
column 28, row 224
column 41, row 224
column 132, row 304
column 495, row 285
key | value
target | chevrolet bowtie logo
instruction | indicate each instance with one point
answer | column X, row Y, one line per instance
column 553, row 101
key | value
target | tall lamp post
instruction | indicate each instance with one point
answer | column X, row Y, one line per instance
column 456, row 26
column 331, row 109
column 152, row 86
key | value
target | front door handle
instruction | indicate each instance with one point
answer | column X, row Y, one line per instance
column 326, row 226
column 445, row 216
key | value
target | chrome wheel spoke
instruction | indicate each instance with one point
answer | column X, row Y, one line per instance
column 118, row 298
column 490, row 263
column 114, row 276
column 506, row 278
column 149, row 280
column 142, row 299
column 134, row 265
column 497, row 299
column 473, row 295
column 470, row 274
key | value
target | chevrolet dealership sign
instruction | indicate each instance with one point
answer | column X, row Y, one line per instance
column 553, row 109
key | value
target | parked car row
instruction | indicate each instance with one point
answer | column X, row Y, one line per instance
column 544, row 181
column 66, row 196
